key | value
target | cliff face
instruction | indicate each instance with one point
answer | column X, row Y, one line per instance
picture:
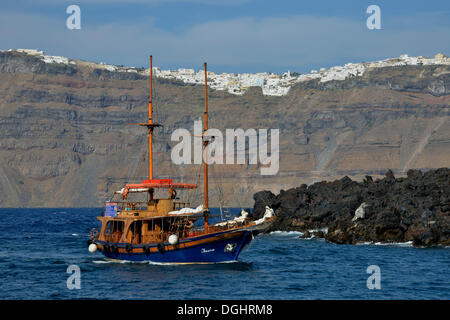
column 65, row 138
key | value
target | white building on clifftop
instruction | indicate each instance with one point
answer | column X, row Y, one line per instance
column 270, row 84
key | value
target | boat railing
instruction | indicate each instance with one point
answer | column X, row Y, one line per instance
column 142, row 205
column 137, row 205
column 199, row 230
column 94, row 233
column 181, row 205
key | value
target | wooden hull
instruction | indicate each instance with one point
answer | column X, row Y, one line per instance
column 212, row 248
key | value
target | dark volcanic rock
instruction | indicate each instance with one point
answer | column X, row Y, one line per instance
column 415, row 208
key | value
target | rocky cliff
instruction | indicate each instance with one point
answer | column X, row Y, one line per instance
column 65, row 138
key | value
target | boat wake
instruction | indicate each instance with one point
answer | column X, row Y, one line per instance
column 108, row 261
column 113, row 261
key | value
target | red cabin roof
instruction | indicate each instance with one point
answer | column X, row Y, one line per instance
column 156, row 183
column 162, row 183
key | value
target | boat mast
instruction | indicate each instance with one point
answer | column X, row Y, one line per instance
column 150, row 126
column 205, row 143
column 150, row 122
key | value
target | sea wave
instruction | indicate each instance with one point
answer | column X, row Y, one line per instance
column 186, row 263
column 107, row 261
column 324, row 230
column 286, row 233
column 104, row 261
column 313, row 238
column 396, row 244
column 393, row 244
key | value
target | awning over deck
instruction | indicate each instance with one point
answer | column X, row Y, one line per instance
column 147, row 185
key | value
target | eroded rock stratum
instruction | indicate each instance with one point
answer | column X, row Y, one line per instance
column 65, row 138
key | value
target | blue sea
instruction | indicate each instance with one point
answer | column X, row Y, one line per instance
column 39, row 245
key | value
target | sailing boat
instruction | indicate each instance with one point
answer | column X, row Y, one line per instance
column 162, row 230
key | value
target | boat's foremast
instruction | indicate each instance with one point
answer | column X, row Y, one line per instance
column 150, row 124
column 205, row 143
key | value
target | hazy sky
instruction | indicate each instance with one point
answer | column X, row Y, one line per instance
column 231, row 35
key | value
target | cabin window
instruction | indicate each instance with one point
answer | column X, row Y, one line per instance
column 135, row 232
column 114, row 230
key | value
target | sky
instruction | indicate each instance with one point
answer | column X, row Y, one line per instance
column 233, row 36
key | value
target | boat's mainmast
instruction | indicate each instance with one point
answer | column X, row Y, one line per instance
column 150, row 122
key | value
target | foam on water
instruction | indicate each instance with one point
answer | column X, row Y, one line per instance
column 286, row 233
column 324, row 230
column 395, row 244
column 387, row 244
column 365, row 243
column 108, row 261
column 313, row 238
column 102, row 261
column 187, row 263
